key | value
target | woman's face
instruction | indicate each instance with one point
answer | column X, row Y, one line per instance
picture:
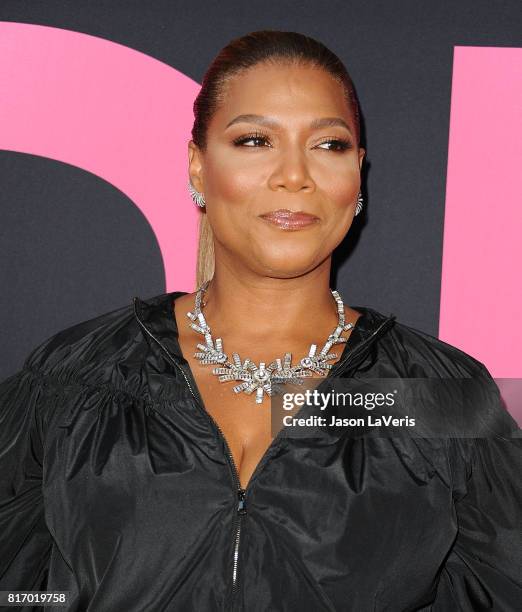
column 279, row 160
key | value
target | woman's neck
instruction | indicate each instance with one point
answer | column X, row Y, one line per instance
column 257, row 308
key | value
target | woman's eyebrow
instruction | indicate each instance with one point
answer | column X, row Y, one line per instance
column 272, row 123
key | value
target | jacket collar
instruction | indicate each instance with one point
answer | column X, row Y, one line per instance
column 156, row 318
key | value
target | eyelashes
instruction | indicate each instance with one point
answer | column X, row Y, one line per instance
column 341, row 144
column 247, row 137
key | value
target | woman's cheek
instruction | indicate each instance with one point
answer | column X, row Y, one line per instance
column 236, row 189
column 233, row 178
column 345, row 193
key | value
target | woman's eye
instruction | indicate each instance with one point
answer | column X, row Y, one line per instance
column 259, row 138
column 339, row 145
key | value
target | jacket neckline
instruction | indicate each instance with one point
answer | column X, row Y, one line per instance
column 156, row 314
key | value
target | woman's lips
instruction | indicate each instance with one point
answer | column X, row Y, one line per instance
column 287, row 219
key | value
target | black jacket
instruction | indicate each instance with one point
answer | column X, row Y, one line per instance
column 117, row 486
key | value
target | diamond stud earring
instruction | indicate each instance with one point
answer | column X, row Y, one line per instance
column 359, row 206
column 195, row 195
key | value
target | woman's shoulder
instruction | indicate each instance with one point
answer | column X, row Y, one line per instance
column 76, row 340
column 408, row 352
column 92, row 345
column 424, row 355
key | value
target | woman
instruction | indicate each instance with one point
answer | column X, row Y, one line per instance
column 137, row 479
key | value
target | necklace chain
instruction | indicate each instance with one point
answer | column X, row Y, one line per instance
column 263, row 379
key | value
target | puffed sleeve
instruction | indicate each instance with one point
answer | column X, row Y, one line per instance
column 483, row 570
column 25, row 542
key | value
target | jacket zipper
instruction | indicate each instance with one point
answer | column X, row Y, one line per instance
column 241, row 506
column 240, row 491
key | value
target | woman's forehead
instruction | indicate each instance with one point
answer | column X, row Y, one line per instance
column 282, row 92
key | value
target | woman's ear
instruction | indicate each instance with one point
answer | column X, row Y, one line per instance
column 362, row 153
column 195, row 168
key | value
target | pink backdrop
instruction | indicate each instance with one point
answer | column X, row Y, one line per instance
column 481, row 290
column 112, row 111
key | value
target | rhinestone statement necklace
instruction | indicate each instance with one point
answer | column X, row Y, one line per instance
column 263, row 379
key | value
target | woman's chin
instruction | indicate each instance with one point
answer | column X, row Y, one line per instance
column 289, row 265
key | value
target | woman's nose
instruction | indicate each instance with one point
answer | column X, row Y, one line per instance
column 292, row 171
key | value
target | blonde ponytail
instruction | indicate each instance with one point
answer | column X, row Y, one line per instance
column 205, row 258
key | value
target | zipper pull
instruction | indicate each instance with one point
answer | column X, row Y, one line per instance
column 241, row 507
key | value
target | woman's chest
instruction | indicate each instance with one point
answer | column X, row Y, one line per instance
column 151, row 467
column 247, row 428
